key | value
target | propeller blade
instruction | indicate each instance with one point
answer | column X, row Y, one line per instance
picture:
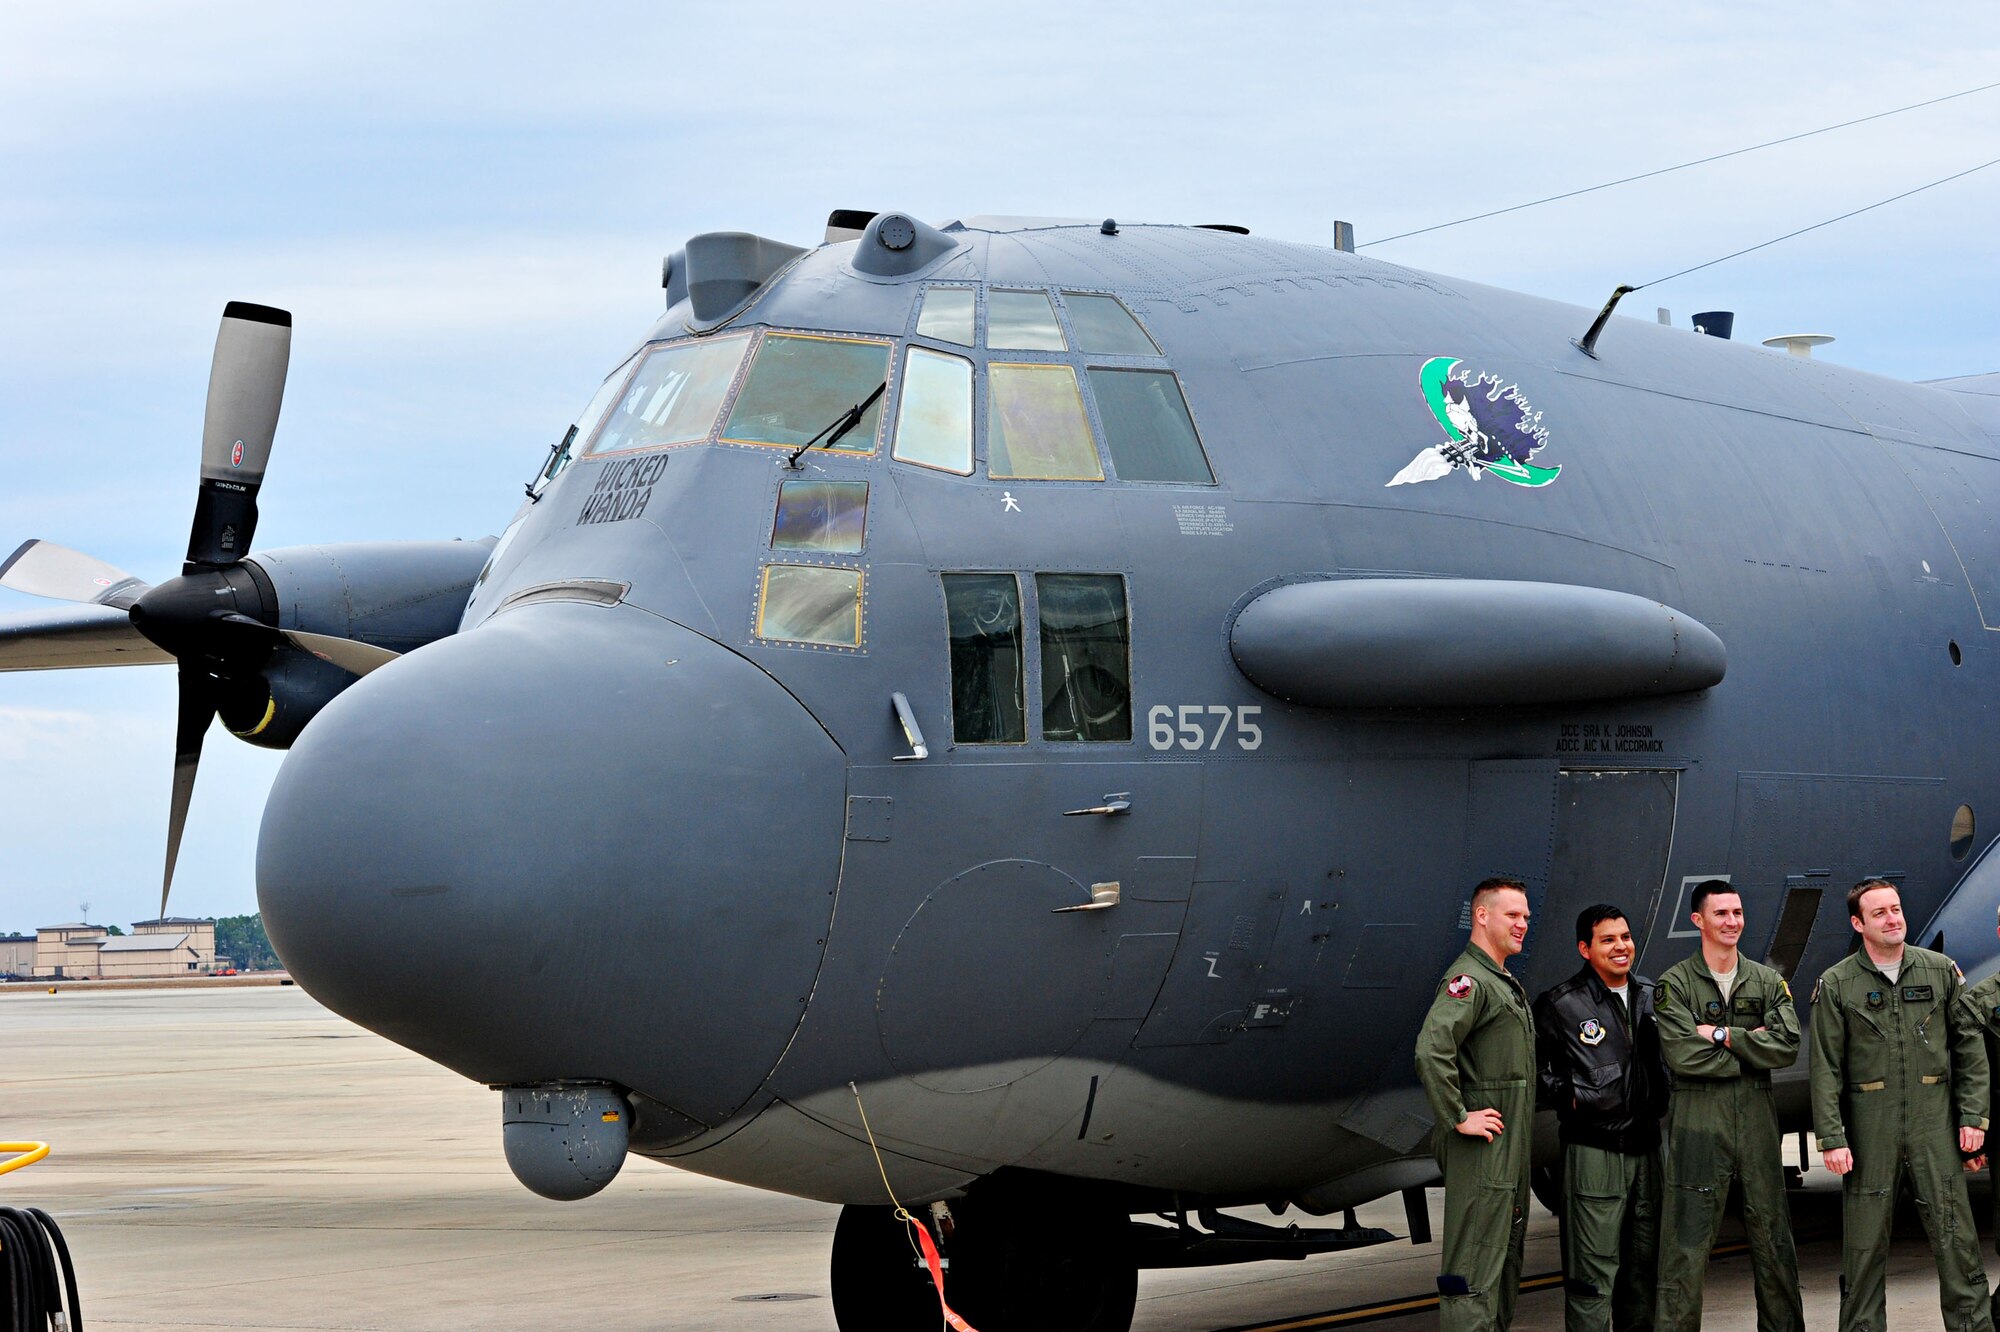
column 66, row 636
column 350, row 654
column 44, row 569
column 246, row 387
column 197, row 710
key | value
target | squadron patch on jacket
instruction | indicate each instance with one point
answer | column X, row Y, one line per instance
column 1459, row 986
column 1591, row 1032
column 1713, row 1008
column 1875, row 999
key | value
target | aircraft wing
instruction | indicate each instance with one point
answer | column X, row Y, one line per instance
column 69, row 636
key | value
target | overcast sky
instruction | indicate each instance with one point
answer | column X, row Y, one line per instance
column 465, row 206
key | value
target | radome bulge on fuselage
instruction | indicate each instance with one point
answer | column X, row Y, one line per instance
column 642, row 821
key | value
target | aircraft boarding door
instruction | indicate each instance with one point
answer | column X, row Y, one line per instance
column 1613, row 833
column 1575, row 837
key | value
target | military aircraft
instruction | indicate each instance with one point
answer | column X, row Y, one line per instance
column 1001, row 720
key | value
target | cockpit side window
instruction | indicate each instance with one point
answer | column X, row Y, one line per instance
column 674, row 396
column 800, row 384
column 1086, row 657
column 983, row 611
column 1147, row 428
column 1022, row 321
column 948, row 315
column 934, row 417
column 1104, row 327
column 1036, row 428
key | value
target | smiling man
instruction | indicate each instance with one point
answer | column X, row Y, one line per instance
column 1725, row 1023
column 1899, row 1085
column 1476, row 1058
column 1597, row 1046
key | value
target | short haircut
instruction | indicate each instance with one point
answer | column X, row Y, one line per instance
column 1862, row 889
column 1487, row 887
column 1590, row 917
column 1708, row 888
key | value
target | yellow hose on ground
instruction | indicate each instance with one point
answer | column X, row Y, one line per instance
column 27, row 1153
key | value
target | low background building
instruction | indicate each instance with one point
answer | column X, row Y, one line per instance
column 17, row 954
column 169, row 946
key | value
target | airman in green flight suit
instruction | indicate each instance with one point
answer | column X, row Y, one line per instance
column 1980, row 1008
column 1899, row 1087
column 1476, row 1058
column 1725, row 1023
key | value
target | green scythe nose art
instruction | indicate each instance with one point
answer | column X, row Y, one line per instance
column 1499, row 445
column 1432, row 378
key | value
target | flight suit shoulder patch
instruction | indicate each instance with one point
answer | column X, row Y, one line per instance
column 1460, row 986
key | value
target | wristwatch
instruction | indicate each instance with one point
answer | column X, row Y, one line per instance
column 1721, row 1036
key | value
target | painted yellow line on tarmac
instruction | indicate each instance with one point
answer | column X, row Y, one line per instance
column 1414, row 1304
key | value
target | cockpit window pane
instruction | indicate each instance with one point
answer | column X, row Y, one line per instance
column 947, row 315
column 800, row 384
column 821, row 515
column 804, row 603
column 984, row 613
column 674, row 397
column 1104, row 327
column 1147, row 427
column 1036, row 428
column 1022, row 321
column 600, row 401
column 934, row 418
column 1086, row 657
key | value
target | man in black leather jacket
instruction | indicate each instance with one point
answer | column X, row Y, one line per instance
column 1597, row 1050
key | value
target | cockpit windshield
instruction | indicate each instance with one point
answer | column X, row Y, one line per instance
column 800, row 382
column 674, row 397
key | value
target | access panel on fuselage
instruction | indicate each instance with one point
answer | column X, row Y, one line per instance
column 948, row 909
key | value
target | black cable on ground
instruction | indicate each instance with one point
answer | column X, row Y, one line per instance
column 32, row 1254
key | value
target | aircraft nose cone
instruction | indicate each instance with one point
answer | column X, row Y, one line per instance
column 576, row 842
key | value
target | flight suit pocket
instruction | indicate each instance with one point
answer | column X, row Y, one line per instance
column 1594, row 1174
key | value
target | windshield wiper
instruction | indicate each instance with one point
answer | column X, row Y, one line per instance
column 558, row 456
column 839, row 426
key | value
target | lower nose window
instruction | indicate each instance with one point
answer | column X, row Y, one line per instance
column 803, row 603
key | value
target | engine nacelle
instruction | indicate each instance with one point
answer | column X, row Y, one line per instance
column 397, row 595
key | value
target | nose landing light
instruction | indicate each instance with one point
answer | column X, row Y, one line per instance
column 565, row 1140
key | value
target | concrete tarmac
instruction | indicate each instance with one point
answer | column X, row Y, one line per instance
column 242, row 1158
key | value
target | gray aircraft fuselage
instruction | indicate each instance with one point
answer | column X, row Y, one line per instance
column 607, row 832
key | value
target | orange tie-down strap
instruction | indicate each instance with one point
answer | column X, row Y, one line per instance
column 937, row 1272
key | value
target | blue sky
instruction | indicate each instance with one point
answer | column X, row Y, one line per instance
column 465, row 206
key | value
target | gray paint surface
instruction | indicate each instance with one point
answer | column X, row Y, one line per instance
column 659, row 801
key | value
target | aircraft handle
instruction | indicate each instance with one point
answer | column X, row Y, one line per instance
column 1114, row 803
column 912, row 732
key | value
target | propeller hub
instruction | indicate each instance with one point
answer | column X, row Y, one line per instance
column 220, row 619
